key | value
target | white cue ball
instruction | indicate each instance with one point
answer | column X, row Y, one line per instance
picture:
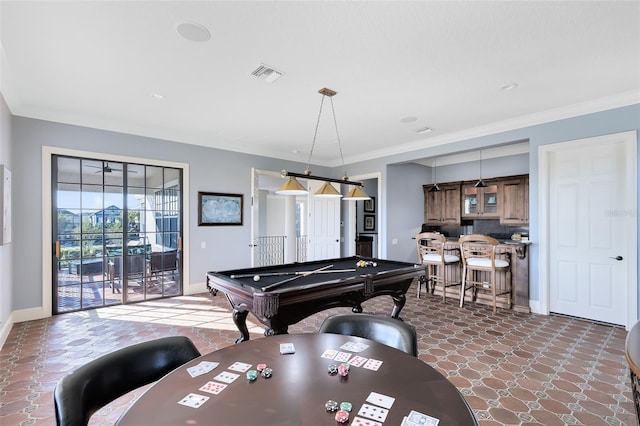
column 256, row 277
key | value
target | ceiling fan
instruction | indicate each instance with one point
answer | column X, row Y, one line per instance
column 107, row 169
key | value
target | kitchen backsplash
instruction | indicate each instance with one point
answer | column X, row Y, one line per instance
column 487, row 227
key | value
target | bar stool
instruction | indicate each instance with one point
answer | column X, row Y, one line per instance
column 479, row 261
column 431, row 253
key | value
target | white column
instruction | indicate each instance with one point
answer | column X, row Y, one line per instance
column 290, row 229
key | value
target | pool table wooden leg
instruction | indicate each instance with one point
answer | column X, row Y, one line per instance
column 398, row 303
column 240, row 319
column 357, row 309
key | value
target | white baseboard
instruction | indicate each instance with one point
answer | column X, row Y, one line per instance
column 195, row 288
column 5, row 330
column 534, row 305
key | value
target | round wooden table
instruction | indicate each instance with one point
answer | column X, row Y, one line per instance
column 300, row 386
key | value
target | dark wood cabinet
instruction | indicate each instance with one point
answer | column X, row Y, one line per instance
column 364, row 246
column 442, row 207
column 505, row 198
column 480, row 202
column 514, row 201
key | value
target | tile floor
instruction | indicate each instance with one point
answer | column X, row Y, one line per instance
column 514, row 369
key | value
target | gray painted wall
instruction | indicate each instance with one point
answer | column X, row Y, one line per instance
column 210, row 170
column 217, row 170
column 589, row 125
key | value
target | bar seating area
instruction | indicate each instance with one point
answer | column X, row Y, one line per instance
column 442, row 266
column 480, row 267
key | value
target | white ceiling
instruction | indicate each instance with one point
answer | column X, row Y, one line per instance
column 99, row 63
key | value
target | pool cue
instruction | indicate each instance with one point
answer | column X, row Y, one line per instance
column 304, row 274
column 266, row 274
column 276, row 274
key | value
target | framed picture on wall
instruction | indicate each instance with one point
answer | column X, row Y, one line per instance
column 370, row 205
column 369, row 222
column 218, row 209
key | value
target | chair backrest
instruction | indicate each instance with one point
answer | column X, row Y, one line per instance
column 164, row 261
column 478, row 246
column 430, row 243
column 136, row 265
column 87, row 389
column 386, row 330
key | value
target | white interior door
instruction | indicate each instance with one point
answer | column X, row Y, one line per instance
column 323, row 236
column 591, row 229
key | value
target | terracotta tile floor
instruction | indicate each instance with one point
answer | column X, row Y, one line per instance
column 512, row 368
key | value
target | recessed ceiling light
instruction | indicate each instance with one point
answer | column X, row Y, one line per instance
column 157, row 96
column 408, row 119
column 508, row 87
column 424, row 130
column 193, row 31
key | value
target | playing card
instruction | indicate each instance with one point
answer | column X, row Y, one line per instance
column 357, row 361
column 226, row 377
column 359, row 347
column 422, row 419
column 361, row 421
column 373, row 412
column 213, row 387
column 196, row 370
column 373, row 364
column 239, row 366
column 208, row 365
column 287, row 348
column 342, row 357
column 347, row 346
column 193, row 400
column 380, row 399
column 201, row 368
column 329, row 353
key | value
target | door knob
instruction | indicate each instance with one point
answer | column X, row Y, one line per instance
column 618, row 258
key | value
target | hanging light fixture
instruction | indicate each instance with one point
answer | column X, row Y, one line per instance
column 435, row 187
column 293, row 187
column 480, row 183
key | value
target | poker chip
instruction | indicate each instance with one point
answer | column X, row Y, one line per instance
column 331, row 406
column 342, row 416
column 343, row 370
column 332, row 369
column 261, row 367
column 252, row 375
column 267, row 372
column 346, row 406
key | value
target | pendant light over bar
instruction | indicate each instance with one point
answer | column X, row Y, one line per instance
column 480, row 183
column 435, row 187
column 293, row 187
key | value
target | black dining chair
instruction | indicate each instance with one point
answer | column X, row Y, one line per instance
column 84, row 391
column 386, row 330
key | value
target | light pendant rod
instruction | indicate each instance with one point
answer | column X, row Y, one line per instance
column 344, row 181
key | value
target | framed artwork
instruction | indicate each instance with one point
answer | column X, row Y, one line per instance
column 369, row 222
column 370, row 205
column 218, row 209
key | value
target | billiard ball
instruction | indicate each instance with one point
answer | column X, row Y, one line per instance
column 256, row 277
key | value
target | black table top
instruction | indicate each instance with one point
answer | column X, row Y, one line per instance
column 300, row 386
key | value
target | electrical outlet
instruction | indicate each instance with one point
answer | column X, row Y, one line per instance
column 203, row 244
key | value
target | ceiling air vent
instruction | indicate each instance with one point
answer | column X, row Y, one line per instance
column 267, row 73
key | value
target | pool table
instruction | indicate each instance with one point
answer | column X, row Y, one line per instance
column 286, row 294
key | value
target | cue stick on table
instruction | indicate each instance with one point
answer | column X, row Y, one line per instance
column 304, row 274
column 277, row 274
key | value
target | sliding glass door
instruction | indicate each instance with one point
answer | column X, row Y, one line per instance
column 117, row 229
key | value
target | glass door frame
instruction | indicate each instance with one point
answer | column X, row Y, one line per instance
column 48, row 243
